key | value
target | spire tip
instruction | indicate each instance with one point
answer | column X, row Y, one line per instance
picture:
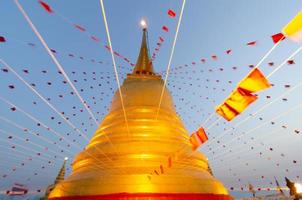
column 144, row 24
column 144, row 63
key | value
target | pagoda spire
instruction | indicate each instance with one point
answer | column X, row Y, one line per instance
column 61, row 175
column 144, row 63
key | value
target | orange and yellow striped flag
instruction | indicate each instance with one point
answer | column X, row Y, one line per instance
column 236, row 103
column 254, row 82
column 198, row 138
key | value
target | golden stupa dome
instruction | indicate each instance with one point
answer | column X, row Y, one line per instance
column 120, row 158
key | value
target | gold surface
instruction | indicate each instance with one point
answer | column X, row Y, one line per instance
column 143, row 63
column 60, row 177
column 133, row 157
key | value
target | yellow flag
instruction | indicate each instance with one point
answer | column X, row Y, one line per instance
column 293, row 30
column 235, row 104
column 239, row 100
column 243, row 95
column 226, row 111
column 255, row 82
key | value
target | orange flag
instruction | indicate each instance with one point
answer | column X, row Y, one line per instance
column 254, row 82
column 226, row 111
column 198, row 138
column 239, row 100
column 235, row 104
column 243, row 95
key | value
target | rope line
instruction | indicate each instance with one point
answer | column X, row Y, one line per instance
column 269, row 103
column 59, row 66
column 264, row 57
column 114, row 65
column 170, row 59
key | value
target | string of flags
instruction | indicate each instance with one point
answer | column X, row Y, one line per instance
column 243, row 95
column 196, row 139
column 171, row 13
column 74, row 56
column 293, row 31
column 81, row 28
column 246, row 96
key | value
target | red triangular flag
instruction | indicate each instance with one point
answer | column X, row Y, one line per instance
column 229, row 51
column 290, row 62
column 80, row 27
column 161, row 39
column 171, row 13
column 107, row 47
column 95, row 38
column 165, row 28
column 46, row 7
column 278, row 37
column 251, row 43
column 2, row 39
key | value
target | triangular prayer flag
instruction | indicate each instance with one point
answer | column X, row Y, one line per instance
column 254, row 82
column 240, row 99
column 251, row 43
column 198, row 138
column 46, row 7
column 171, row 13
column 95, row 38
column 290, row 62
column 229, row 51
column 226, row 111
column 117, row 54
column 165, row 28
column 2, row 39
column 107, row 47
column 287, row 86
column 293, row 30
column 80, row 27
column 278, row 37
column 236, row 103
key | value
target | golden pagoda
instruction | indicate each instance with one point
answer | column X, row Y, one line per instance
column 60, row 177
column 120, row 160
